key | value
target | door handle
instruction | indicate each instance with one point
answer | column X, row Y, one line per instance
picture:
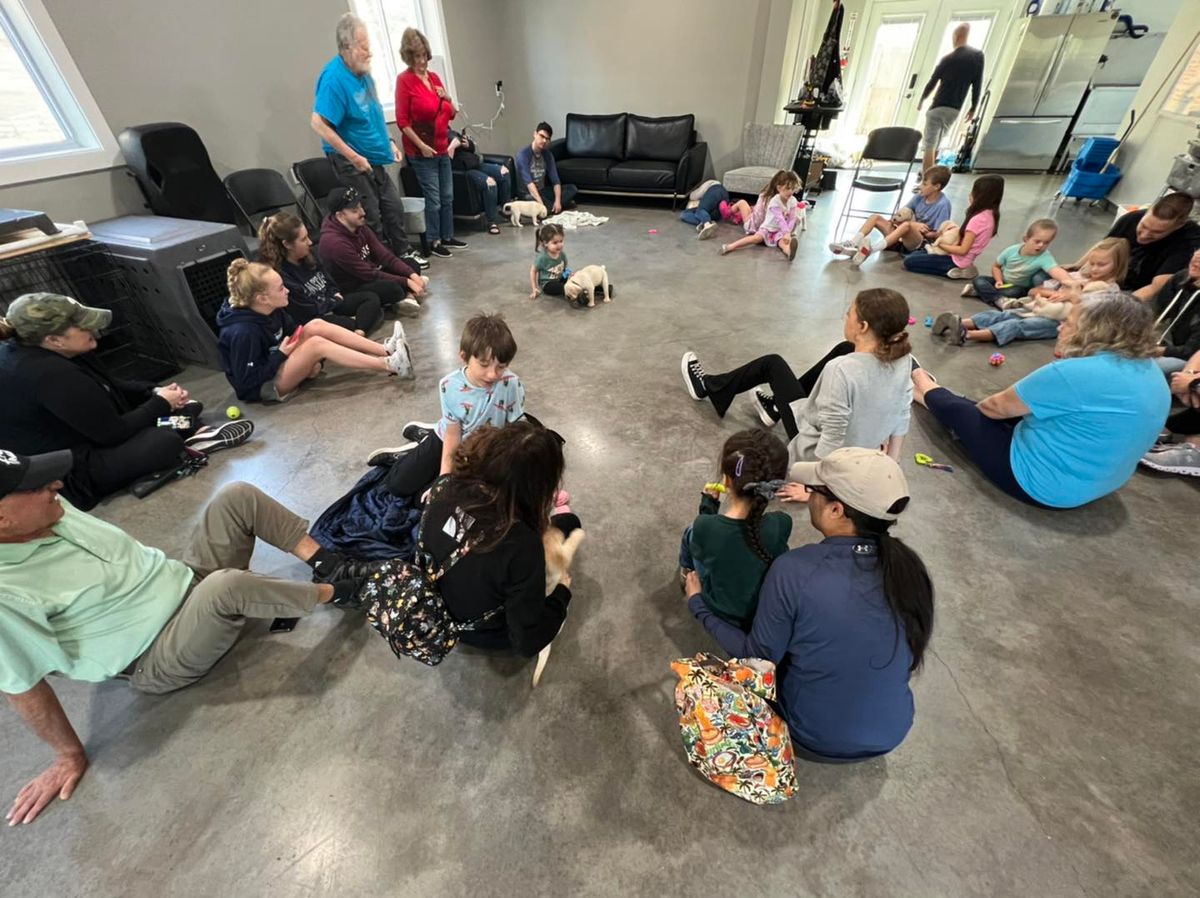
column 912, row 82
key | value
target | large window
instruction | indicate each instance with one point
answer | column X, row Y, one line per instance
column 49, row 123
column 386, row 21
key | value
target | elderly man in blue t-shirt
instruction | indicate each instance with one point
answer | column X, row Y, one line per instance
column 349, row 118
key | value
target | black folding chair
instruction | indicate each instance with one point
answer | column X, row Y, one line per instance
column 259, row 192
column 883, row 145
column 318, row 179
column 172, row 167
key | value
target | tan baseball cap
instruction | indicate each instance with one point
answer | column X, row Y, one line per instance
column 37, row 315
column 865, row 479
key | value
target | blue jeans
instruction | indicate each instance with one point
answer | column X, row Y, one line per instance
column 437, row 186
column 1009, row 326
column 924, row 262
column 709, row 208
column 1170, row 366
column 987, row 290
column 494, row 196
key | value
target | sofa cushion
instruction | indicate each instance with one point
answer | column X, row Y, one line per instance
column 597, row 136
column 585, row 172
column 664, row 139
column 642, row 174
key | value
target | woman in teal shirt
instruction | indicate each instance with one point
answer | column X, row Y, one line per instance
column 1073, row 430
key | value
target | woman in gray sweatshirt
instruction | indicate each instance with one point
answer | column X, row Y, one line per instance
column 859, row 394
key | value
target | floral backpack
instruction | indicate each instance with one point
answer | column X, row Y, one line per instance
column 404, row 602
column 731, row 735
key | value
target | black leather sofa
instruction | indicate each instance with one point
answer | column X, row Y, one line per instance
column 631, row 155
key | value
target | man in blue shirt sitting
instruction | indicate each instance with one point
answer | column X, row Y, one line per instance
column 845, row 620
column 537, row 173
column 349, row 118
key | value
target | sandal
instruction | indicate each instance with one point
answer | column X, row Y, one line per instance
column 493, row 228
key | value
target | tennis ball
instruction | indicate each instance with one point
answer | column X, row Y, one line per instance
column 233, row 412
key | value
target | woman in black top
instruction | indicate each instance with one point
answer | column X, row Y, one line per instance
column 284, row 244
column 56, row 396
column 497, row 499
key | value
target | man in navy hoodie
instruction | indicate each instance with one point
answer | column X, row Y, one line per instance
column 357, row 259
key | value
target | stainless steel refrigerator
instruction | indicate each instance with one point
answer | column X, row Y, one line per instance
column 1055, row 60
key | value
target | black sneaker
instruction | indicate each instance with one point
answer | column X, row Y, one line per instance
column 693, row 376
column 412, row 260
column 388, row 455
column 339, row 567
column 416, row 431
column 220, row 436
column 439, row 249
column 764, row 404
column 453, row 242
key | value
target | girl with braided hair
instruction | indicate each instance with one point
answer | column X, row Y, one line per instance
column 724, row 556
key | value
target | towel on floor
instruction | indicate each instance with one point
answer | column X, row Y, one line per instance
column 570, row 219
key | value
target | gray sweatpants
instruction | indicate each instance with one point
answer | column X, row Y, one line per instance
column 224, row 593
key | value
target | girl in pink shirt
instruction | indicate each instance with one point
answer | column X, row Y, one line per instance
column 774, row 217
column 982, row 220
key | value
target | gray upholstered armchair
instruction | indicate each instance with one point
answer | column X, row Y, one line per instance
column 765, row 150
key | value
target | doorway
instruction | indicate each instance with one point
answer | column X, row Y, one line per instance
column 900, row 45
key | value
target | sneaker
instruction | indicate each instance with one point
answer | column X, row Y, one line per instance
column 969, row 291
column 387, row 456
column 439, row 249
column 1182, row 458
column 963, row 274
column 724, row 248
column 221, row 436
column 706, row 230
column 349, row 578
column 950, row 328
column 415, row 431
column 860, row 255
column 764, row 404
column 845, row 248
column 408, row 307
column 693, row 376
column 453, row 242
column 400, row 363
column 396, row 340
column 412, row 260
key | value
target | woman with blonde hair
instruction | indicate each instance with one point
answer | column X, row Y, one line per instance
column 1073, row 430
column 266, row 355
column 423, row 113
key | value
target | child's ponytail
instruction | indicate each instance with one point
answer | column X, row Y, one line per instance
column 752, row 457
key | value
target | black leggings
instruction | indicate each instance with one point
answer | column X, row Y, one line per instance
column 389, row 292
column 775, row 372
column 987, row 441
column 362, row 311
column 102, row 471
column 554, row 288
column 416, row 470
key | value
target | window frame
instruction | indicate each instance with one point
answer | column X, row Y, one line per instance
column 91, row 145
column 432, row 24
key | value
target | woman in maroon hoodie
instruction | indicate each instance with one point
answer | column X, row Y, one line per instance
column 357, row 259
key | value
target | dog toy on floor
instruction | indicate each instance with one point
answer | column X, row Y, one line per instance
column 996, row 359
column 926, row 461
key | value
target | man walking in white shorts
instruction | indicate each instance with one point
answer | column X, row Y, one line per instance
column 957, row 72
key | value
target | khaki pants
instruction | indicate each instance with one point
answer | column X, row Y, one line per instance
column 224, row 593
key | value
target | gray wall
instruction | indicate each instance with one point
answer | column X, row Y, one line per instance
column 242, row 74
column 716, row 59
column 1152, row 145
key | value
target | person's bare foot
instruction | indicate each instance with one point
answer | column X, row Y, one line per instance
column 923, row 382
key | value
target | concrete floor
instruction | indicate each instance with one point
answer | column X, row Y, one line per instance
column 1055, row 742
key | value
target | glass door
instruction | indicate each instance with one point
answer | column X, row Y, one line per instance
column 888, row 71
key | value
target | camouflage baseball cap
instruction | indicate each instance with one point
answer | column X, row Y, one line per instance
column 37, row 315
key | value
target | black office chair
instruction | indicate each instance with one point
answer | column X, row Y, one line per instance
column 171, row 166
column 318, row 179
column 883, row 145
column 259, row 192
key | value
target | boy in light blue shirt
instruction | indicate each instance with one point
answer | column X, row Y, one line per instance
column 482, row 392
column 930, row 207
column 1021, row 266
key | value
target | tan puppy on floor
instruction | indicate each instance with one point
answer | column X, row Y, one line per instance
column 514, row 210
column 560, row 552
column 588, row 278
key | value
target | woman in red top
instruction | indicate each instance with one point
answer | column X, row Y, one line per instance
column 423, row 114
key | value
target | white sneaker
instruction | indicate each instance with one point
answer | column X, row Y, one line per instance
column 409, row 307
column 968, row 291
column 844, row 248
column 706, row 230
column 400, row 363
column 392, row 343
column 860, row 255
